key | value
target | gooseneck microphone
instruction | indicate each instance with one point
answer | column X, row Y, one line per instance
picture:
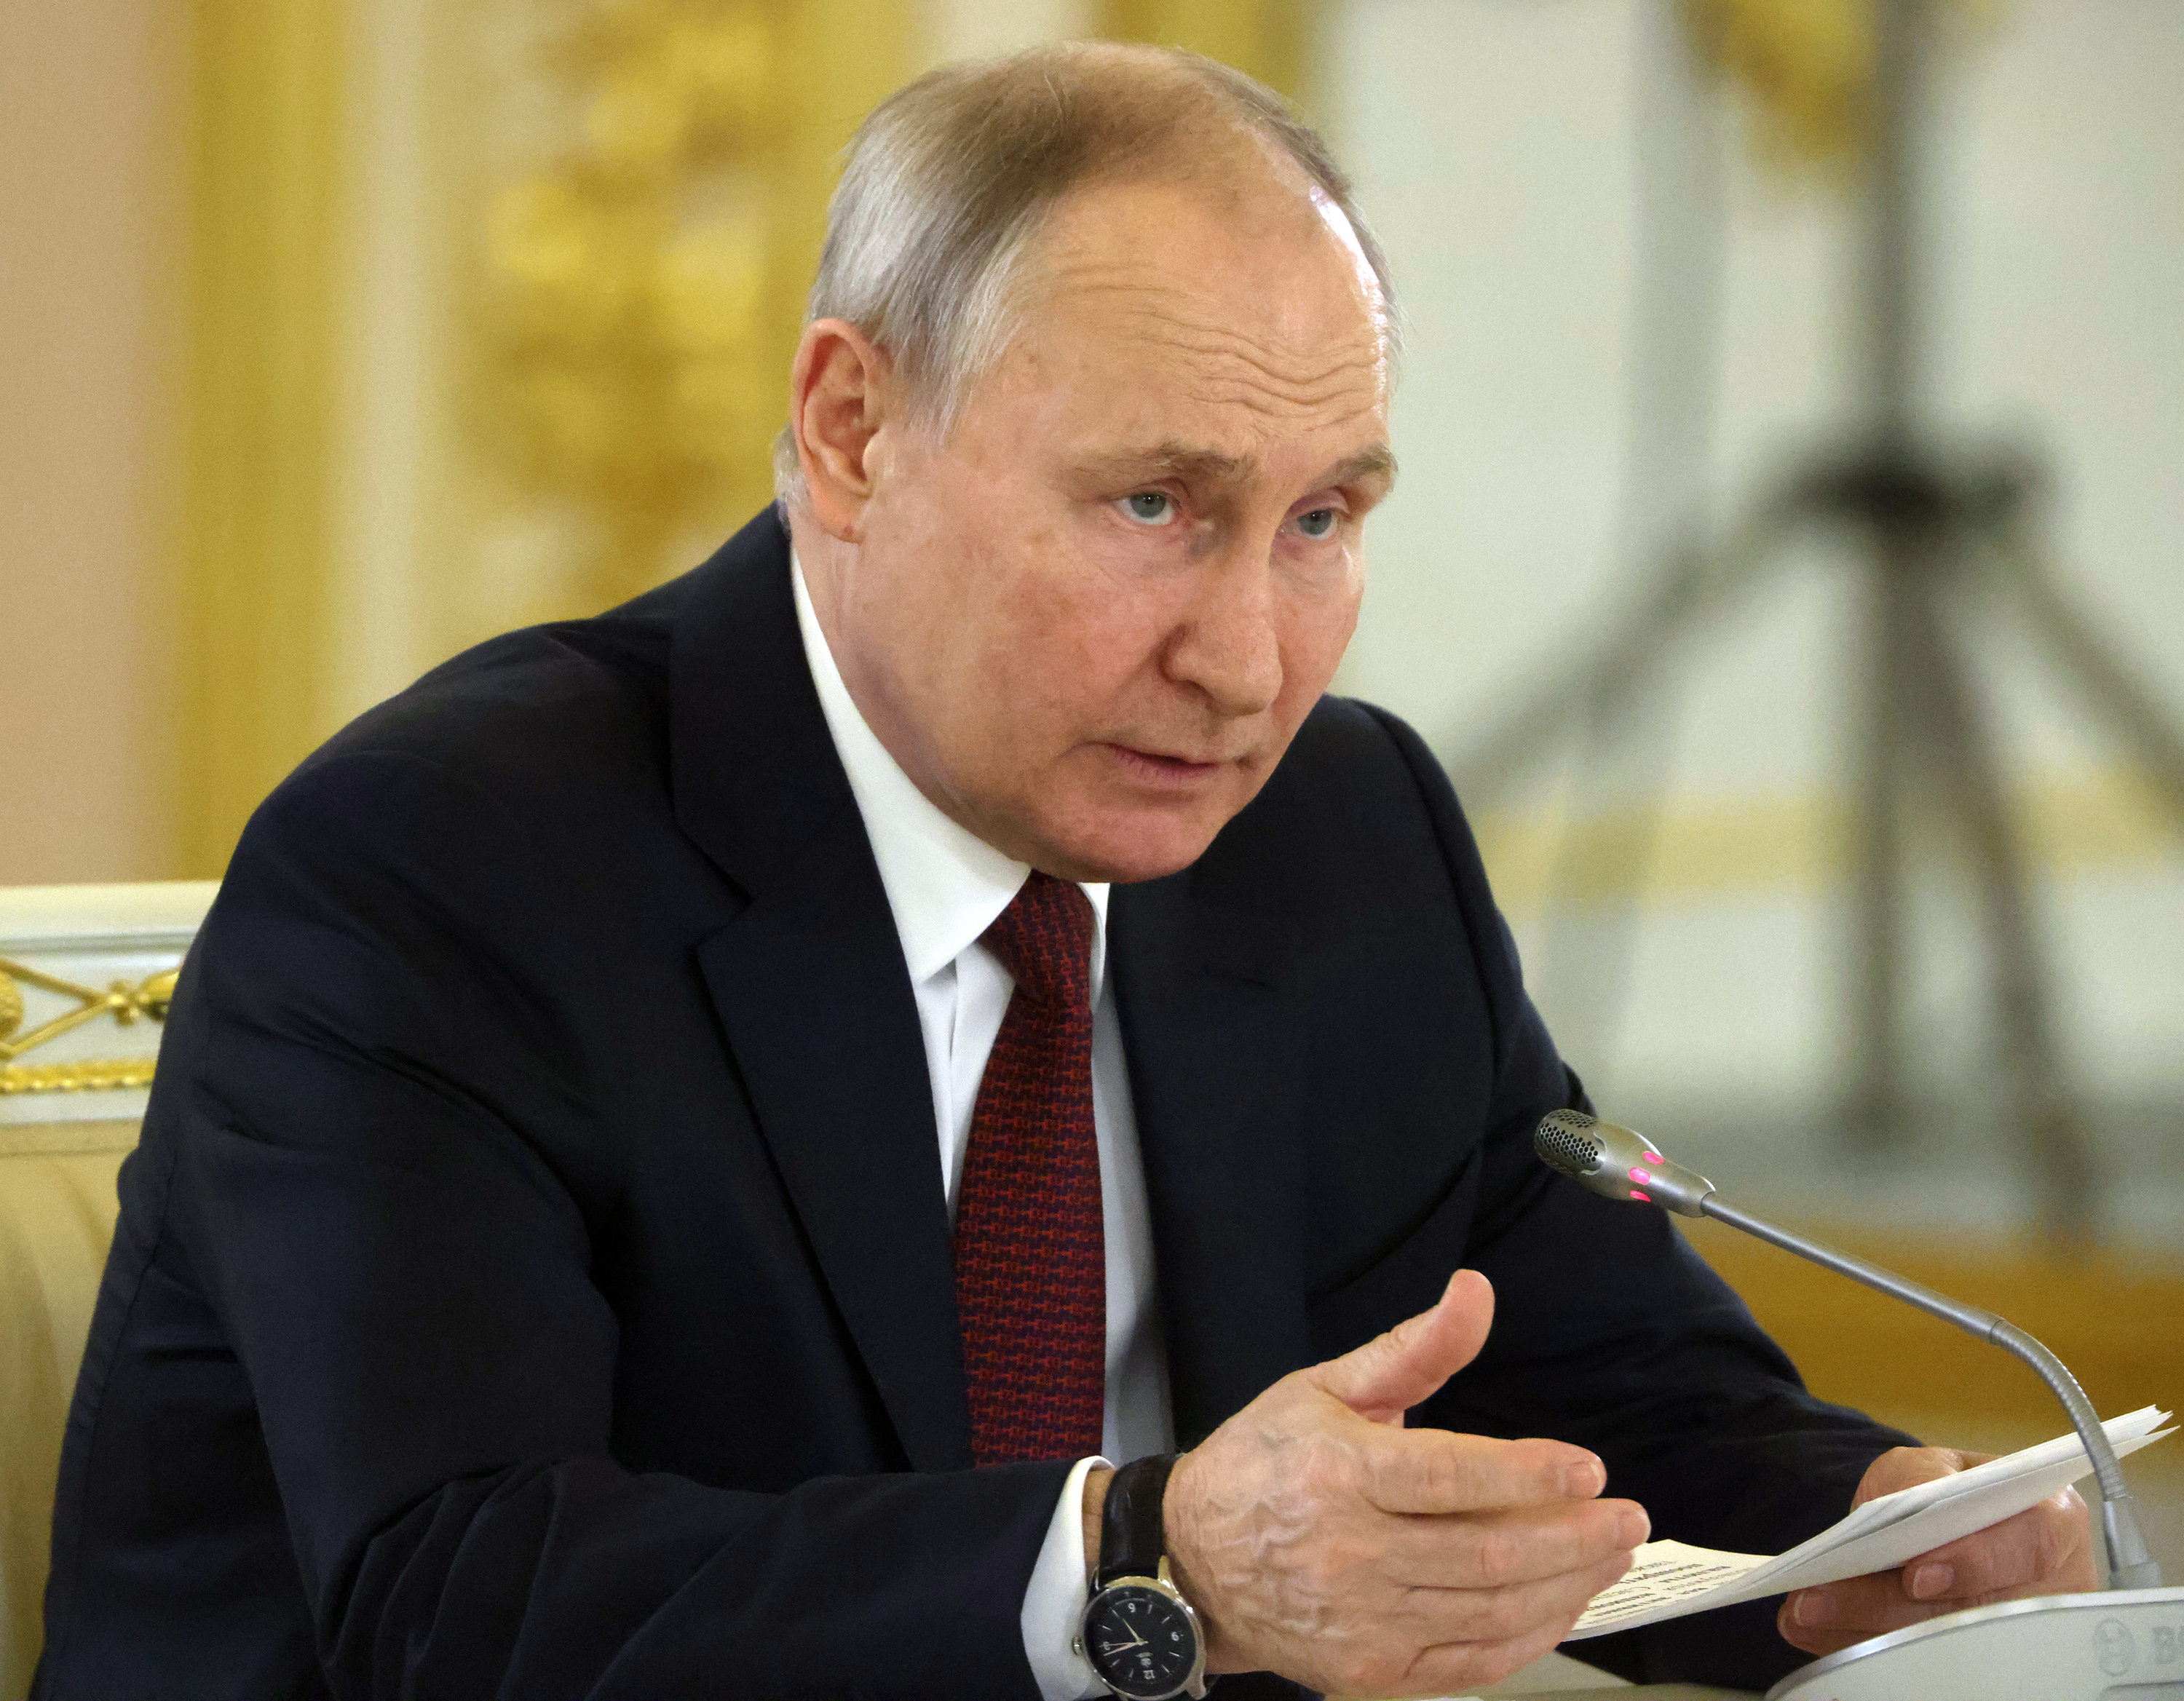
column 1618, row 1162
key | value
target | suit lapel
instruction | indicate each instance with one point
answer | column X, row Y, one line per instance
column 811, row 987
column 1216, row 1070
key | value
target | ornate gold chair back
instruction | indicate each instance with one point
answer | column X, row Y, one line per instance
column 85, row 974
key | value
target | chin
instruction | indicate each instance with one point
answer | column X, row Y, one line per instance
column 1136, row 847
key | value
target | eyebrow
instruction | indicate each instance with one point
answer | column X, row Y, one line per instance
column 1188, row 461
column 1377, row 462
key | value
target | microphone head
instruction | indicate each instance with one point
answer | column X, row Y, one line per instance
column 1617, row 1163
column 1566, row 1142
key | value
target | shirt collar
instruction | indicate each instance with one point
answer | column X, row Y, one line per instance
column 945, row 885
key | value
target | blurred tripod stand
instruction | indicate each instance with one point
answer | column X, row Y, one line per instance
column 1932, row 529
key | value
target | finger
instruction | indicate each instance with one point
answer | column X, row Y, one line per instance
column 2045, row 1551
column 1443, row 1617
column 1434, row 1642
column 1463, row 1668
column 1399, row 1666
column 1495, row 1550
column 1906, row 1467
column 1821, row 1620
column 1836, row 1615
column 1430, row 1470
column 1862, row 1605
column 1392, row 1372
column 2033, row 1547
column 1459, row 1668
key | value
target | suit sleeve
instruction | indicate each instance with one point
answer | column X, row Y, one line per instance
column 1610, row 1332
column 404, row 1270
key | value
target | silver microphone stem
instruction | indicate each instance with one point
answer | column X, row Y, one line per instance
column 2130, row 1566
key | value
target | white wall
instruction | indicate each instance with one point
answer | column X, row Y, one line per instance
column 1504, row 150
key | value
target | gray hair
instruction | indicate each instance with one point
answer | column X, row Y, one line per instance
column 951, row 178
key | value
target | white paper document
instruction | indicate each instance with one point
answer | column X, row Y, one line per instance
column 1668, row 1579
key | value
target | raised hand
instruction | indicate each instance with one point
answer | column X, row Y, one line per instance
column 1320, row 1539
column 2046, row 1551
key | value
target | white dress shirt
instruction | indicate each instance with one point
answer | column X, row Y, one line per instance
column 946, row 886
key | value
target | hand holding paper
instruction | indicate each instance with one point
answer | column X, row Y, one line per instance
column 2050, row 1548
column 1669, row 1579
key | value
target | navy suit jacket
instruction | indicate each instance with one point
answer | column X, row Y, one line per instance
column 534, row 1280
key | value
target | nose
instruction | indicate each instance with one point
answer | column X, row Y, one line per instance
column 1228, row 645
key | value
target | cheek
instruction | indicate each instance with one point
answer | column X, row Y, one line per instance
column 961, row 620
column 1068, row 633
column 1316, row 632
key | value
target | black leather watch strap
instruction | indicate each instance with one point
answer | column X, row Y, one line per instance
column 1132, row 1538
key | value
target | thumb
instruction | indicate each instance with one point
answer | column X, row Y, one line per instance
column 1388, row 1375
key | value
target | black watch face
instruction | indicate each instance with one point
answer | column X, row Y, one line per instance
column 1140, row 1641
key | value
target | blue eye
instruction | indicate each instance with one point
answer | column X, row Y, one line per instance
column 1150, row 508
column 1318, row 522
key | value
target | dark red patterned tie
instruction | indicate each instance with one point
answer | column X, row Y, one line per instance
column 1031, row 1264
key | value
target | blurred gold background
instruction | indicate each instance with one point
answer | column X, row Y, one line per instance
column 340, row 334
column 351, row 286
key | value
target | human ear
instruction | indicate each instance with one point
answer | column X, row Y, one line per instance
column 839, row 402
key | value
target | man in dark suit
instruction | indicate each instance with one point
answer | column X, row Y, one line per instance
column 537, row 1278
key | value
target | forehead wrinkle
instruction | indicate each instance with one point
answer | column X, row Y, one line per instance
column 1273, row 405
column 1274, row 413
column 1241, row 367
column 1350, row 394
column 1286, row 366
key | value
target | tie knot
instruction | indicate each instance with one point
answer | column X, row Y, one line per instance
column 1044, row 938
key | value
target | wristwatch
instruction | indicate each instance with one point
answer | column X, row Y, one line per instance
column 1139, row 1633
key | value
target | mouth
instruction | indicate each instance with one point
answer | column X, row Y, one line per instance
column 1163, row 768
